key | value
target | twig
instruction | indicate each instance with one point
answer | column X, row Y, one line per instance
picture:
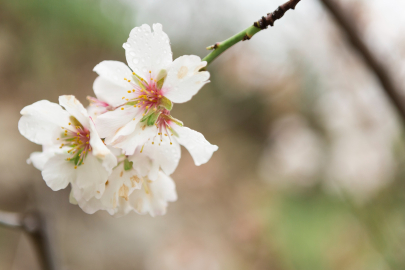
column 32, row 224
column 249, row 32
column 380, row 71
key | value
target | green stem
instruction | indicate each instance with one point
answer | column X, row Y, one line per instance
column 220, row 47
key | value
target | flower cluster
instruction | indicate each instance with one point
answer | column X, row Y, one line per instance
column 119, row 153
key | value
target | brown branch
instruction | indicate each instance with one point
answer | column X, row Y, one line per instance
column 32, row 224
column 378, row 68
column 264, row 22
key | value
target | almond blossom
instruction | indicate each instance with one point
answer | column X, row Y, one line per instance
column 143, row 95
column 129, row 189
column 73, row 151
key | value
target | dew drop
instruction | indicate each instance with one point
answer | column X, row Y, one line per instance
column 135, row 61
column 132, row 53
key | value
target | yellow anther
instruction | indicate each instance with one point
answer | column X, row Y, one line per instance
column 57, row 139
column 143, row 114
column 129, row 80
column 165, row 134
column 133, row 119
column 150, row 71
column 87, row 135
column 122, row 108
column 160, row 96
column 170, row 142
column 69, row 124
column 68, row 159
column 134, row 106
column 129, row 91
column 125, row 78
column 159, row 133
column 153, row 142
column 133, row 73
column 147, row 107
column 154, row 109
column 78, row 133
column 133, row 90
column 87, row 142
column 127, row 99
column 123, row 97
column 75, row 167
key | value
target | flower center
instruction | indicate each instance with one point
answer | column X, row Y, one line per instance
column 146, row 94
column 77, row 138
column 163, row 124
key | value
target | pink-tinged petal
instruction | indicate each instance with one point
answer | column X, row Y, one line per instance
column 58, row 172
column 154, row 197
column 142, row 135
column 91, row 177
column 41, row 122
column 184, row 78
column 200, row 149
column 146, row 51
column 75, row 108
column 109, row 92
column 110, row 123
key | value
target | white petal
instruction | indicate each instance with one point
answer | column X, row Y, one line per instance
column 139, row 137
column 184, row 79
column 154, row 171
column 109, row 92
column 146, row 51
column 90, row 206
column 75, row 108
column 200, row 149
column 110, row 123
column 141, row 163
column 115, row 72
column 154, row 200
column 121, row 184
column 58, row 172
column 91, row 177
column 39, row 159
column 164, row 154
column 100, row 150
column 41, row 122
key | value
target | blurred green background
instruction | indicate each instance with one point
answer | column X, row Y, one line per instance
column 310, row 168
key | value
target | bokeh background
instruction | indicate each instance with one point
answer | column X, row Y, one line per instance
column 310, row 169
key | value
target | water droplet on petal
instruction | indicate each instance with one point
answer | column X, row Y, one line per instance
column 135, row 61
column 132, row 53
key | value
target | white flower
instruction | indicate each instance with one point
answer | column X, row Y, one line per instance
column 73, row 151
column 129, row 189
column 143, row 98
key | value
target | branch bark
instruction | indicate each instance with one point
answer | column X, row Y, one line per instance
column 387, row 82
column 219, row 47
column 32, row 224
